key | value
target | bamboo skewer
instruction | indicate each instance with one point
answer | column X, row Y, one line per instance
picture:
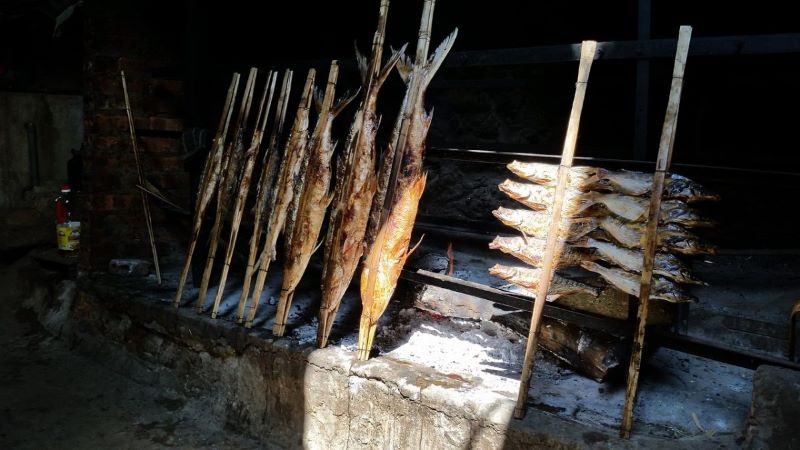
column 265, row 182
column 244, row 187
column 229, row 168
column 208, row 183
column 662, row 165
column 293, row 156
column 552, row 247
column 140, row 173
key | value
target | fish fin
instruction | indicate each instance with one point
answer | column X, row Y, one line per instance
column 438, row 56
column 319, row 244
column 409, row 252
column 525, row 238
column 343, row 102
column 318, row 99
column 362, row 64
column 404, row 66
column 387, row 69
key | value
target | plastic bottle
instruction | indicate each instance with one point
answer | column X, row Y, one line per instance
column 68, row 225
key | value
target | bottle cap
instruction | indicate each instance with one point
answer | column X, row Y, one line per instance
column 66, row 187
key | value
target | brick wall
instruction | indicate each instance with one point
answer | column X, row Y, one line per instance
column 123, row 36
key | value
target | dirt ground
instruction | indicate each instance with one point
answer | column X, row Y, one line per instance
column 51, row 398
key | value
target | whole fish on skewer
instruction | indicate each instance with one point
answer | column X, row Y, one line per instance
column 356, row 184
column 539, row 197
column 546, row 174
column 528, row 278
column 397, row 202
column 662, row 289
column 313, row 203
column 671, row 237
column 635, row 209
column 665, row 264
column 640, row 184
column 536, row 223
column 531, row 250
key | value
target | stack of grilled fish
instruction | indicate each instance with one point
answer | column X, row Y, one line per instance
column 603, row 229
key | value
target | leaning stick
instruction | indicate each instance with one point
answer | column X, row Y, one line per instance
column 293, row 155
column 140, row 173
column 553, row 245
column 662, row 165
column 209, row 182
column 244, row 185
column 230, row 165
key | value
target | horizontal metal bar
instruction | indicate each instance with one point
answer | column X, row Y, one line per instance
column 612, row 326
column 717, row 352
column 767, row 44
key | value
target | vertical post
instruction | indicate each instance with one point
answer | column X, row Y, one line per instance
column 641, row 110
column 588, row 49
column 662, row 164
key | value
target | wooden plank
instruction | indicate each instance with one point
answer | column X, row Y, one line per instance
column 649, row 250
column 588, row 49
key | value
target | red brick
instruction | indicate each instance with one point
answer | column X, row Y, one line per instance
column 109, row 143
column 112, row 202
column 165, row 163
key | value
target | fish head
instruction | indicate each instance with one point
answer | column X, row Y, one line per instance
column 504, row 272
column 535, row 172
column 507, row 216
column 506, row 242
column 514, row 189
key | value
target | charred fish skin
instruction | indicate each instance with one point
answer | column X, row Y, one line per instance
column 530, row 251
column 671, row 237
column 528, row 278
column 662, row 289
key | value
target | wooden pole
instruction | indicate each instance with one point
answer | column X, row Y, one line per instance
column 662, row 165
column 210, row 177
column 244, row 186
column 140, row 173
column 588, row 49
column 229, row 171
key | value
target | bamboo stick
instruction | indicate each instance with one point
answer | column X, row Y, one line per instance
column 553, row 245
column 244, row 186
column 292, row 158
column 140, row 173
column 208, row 182
column 662, row 165
column 230, row 166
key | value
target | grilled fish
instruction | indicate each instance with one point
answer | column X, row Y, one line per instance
column 539, row 197
column 635, row 209
column 671, row 237
column 528, row 278
column 546, row 174
column 639, row 184
column 531, row 251
column 313, row 202
column 537, row 223
column 665, row 264
column 661, row 289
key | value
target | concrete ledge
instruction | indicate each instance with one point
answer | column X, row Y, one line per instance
column 291, row 395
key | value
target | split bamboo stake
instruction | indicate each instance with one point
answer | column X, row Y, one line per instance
column 662, row 165
column 208, row 183
column 230, row 166
column 140, row 173
column 293, row 155
column 244, row 186
column 552, row 247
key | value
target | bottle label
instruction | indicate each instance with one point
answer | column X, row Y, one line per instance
column 68, row 236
